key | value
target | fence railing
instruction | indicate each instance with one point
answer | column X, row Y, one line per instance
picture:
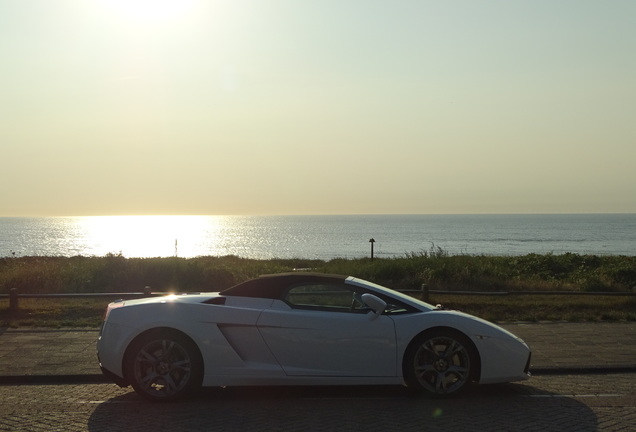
column 424, row 293
column 15, row 296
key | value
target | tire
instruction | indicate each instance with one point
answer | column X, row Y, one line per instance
column 440, row 363
column 163, row 365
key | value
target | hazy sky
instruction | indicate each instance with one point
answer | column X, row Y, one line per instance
column 317, row 106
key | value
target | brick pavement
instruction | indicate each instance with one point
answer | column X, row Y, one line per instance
column 556, row 347
column 579, row 345
column 577, row 403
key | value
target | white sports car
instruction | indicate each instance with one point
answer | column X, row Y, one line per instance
column 302, row 329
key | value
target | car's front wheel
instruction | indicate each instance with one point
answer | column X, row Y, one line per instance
column 163, row 365
column 440, row 363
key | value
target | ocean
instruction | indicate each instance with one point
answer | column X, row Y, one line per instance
column 318, row 237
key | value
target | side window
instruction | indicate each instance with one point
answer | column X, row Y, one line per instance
column 328, row 297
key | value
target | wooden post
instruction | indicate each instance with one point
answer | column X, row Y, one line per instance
column 13, row 300
column 372, row 241
column 425, row 293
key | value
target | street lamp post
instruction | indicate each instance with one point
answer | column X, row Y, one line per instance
column 372, row 241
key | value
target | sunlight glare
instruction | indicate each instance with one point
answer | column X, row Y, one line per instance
column 150, row 11
column 150, row 236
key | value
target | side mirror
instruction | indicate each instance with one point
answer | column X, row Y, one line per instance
column 376, row 304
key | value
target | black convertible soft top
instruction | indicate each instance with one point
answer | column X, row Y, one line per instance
column 275, row 286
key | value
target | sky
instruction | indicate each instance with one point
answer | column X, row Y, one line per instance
column 257, row 107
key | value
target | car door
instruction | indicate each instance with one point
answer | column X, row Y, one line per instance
column 323, row 329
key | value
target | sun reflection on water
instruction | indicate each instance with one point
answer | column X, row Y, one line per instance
column 151, row 236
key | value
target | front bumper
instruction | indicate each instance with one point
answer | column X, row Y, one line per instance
column 121, row 382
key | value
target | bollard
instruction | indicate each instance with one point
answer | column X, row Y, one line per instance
column 13, row 300
column 147, row 291
column 425, row 293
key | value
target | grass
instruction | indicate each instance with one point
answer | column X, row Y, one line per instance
column 56, row 313
column 436, row 269
column 543, row 308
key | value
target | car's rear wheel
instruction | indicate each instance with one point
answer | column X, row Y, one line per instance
column 440, row 363
column 163, row 365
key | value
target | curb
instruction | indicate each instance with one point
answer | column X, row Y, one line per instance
column 582, row 370
column 54, row 379
column 101, row 379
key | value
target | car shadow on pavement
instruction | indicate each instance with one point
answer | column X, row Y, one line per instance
column 506, row 407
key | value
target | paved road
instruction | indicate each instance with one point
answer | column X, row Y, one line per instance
column 556, row 347
column 548, row 403
column 554, row 400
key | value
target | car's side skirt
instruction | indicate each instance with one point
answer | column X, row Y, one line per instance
column 230, row 381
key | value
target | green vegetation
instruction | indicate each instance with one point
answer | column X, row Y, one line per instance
column 49, row 312
column 543, row 308
column 436, row 269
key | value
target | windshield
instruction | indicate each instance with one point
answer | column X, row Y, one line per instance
column 423, row 306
